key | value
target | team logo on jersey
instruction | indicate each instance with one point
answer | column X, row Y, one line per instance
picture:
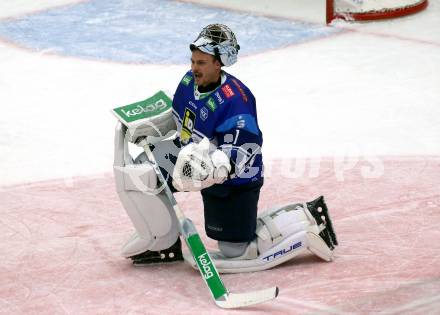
column 240, row 89
column 241, row 123
column 186, row 79
column 189, row 119
column 220, row 99
column 211, row 104
column 204, row 113
column 227, row 91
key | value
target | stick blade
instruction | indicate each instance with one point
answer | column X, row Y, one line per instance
column 236, row 300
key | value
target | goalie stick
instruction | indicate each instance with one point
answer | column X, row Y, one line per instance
column 222, row 297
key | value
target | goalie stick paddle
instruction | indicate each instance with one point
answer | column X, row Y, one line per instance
column 223, row 298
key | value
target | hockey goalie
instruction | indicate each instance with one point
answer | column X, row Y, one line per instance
column 207, row 139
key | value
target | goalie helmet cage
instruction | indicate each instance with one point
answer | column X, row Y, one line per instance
column 367, row 10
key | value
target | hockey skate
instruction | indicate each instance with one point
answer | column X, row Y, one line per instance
column 319, row 211
column 171, row 254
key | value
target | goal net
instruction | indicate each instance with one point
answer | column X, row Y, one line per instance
column 364, row 10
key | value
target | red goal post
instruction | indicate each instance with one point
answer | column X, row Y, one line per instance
column 321, row 11
column 366, row 10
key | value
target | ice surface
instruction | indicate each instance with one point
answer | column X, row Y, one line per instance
column 147, row 31
column 60, row 249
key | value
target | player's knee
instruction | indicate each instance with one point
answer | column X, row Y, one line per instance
column 231, row 250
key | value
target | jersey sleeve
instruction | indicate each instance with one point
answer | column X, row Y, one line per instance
column 238, row 135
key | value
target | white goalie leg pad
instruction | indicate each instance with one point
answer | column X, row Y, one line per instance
column 296, row 220
column 291, row 220
column 280, row 253
column 282, row 234
column 149, row 209
column 319, row 247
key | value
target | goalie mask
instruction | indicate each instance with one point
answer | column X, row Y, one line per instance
column 218, row 40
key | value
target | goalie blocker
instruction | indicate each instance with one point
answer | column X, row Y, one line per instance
column 281, row 233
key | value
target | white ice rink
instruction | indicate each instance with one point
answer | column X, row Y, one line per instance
column 366, row 96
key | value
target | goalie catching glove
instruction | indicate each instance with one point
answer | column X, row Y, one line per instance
column 198, row 167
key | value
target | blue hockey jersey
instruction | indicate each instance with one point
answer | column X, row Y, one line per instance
column 227, row 116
